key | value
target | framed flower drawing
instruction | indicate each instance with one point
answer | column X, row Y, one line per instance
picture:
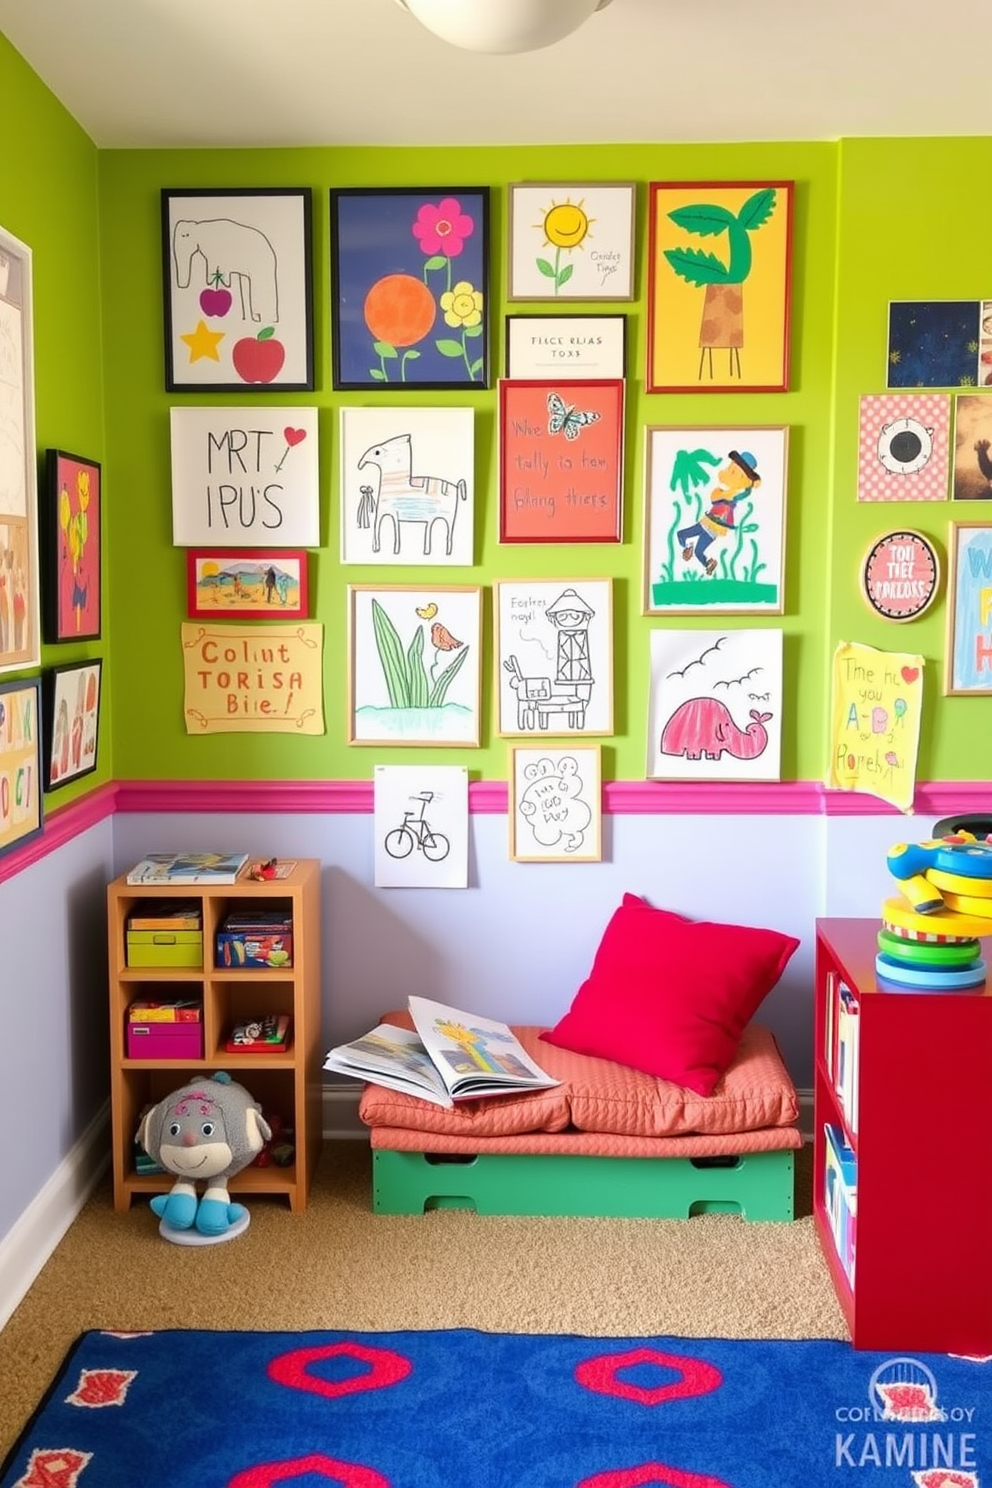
column 414, row 672
column 572, row 241
column 409, row 287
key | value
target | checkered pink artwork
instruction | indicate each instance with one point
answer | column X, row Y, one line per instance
column 903, row 447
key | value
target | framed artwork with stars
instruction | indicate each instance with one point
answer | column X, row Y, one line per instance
column 237, row 267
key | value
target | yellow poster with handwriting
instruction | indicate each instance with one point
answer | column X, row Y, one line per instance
column 265, row 679
column 877, row 699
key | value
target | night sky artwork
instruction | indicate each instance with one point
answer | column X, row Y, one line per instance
column 939, row 343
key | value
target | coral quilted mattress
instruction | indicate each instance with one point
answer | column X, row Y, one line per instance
column 602, row 1108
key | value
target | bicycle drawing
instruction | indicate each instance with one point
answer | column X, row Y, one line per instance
column 416, row 831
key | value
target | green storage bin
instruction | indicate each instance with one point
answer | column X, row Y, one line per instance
column 165, row 948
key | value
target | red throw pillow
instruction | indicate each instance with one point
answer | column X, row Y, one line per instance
column 672, row 996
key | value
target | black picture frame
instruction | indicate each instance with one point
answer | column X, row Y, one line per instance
column 70, row 697
column 71, row 547
column 424, row 314
column 240, row 258
column 22, row 808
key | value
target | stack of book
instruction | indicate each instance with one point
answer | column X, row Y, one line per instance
column 188, row 868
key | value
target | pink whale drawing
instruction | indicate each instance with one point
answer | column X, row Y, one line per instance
column 704, row 727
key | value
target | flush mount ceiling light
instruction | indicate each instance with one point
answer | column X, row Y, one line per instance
column 502, row 25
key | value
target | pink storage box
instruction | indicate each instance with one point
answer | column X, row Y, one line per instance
column 165, row 1040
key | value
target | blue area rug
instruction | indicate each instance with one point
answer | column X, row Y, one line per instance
column 463, row 1409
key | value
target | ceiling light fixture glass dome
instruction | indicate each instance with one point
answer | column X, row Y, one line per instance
column 502, row 25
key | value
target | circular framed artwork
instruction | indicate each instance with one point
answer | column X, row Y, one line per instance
column 900, row 575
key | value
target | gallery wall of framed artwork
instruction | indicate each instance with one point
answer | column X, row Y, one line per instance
column 237, row 269
column 410, row 288
column 71, row 547
column 20, row 607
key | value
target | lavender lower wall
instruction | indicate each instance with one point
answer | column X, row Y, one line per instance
column 518, row 942
column 54, row 1041
column 515, row 945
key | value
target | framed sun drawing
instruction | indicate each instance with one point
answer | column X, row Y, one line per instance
column 572, row 241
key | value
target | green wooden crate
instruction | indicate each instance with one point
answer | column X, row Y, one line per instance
column 757, row 1185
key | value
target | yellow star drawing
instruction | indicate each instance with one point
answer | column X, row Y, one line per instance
column 203, row 343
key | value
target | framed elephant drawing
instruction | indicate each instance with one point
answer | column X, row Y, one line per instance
column 238, row 276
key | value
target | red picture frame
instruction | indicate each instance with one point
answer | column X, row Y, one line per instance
column 247, row 584
column 561, row 461
column 719, row 286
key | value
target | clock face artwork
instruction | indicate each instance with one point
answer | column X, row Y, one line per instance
column 900, row 575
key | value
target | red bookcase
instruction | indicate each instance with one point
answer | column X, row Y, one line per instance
column 922, row 1277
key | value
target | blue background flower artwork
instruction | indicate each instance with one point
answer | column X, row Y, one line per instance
column 409, row 276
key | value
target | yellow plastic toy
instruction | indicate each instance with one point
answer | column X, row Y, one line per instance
column 939, row 926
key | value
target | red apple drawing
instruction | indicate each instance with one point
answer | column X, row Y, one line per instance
column 215, row 301
column 258, row 358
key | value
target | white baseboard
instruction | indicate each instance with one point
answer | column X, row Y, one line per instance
column 26, row 1247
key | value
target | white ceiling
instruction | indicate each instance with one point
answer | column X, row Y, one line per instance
column 148, row 73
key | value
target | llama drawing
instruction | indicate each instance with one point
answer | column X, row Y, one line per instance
column 405, row 497
column 703, row 727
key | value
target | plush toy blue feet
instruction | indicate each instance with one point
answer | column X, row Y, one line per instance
column 213, row 1216
column 177, row 1209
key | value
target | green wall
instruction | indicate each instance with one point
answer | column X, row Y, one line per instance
column 873, row 222
column 49, row 199
column 148, row 575
column 912, row 227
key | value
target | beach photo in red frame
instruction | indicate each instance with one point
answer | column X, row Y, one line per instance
column 247, row 583
column 561, row 461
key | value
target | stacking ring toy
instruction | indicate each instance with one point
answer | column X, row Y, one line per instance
column 970, row 904
column 923, row 953
column 939, row 928
column 969, row 858
column 959, row 883
column 928, row 979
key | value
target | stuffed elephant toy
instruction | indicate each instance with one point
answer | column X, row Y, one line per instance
column 205, row 1132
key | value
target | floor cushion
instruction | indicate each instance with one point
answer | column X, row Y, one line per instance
column 599, row 1096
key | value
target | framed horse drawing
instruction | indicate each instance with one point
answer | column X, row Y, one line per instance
column 407, row 486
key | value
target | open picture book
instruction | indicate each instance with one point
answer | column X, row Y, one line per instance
column 452, row 1056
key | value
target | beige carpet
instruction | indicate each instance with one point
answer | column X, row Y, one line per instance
column 339, row 1266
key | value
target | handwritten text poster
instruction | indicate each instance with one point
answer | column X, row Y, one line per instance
column 561, row 461
column 20, row 786
column 245, row 477
column 875, row 722
column 263, row 679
